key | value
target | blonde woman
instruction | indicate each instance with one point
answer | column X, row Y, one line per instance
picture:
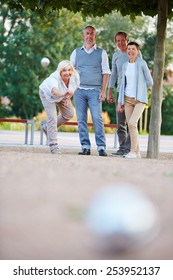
column 56, row 90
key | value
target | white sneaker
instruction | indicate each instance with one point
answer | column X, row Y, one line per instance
column 54, row 149
column 130, row 155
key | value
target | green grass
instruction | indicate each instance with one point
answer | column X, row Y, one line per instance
column 12, row 126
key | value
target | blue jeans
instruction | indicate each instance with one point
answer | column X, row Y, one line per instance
column 84, row 99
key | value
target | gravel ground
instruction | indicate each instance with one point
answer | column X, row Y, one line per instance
column 43, row 199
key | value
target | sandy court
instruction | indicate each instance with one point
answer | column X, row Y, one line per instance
column 43, row 199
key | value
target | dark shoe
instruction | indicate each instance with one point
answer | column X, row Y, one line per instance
column 102, row 153
column 119, row 153
column 85, row 152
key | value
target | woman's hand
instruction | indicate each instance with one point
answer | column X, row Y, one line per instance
column 68, row 95
column 66, row 102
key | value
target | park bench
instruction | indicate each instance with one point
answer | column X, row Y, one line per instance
column 115, row 126
column 27, row 123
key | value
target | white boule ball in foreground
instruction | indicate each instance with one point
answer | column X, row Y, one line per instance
column 120, row 218
column 45, row 61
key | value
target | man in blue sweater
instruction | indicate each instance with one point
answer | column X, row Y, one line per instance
column 93, row 67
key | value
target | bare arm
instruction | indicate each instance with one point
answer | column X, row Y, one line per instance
column 102, row 96
column 55, row 92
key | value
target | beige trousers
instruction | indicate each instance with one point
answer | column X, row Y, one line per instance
column 133, row 112
column 54, row 121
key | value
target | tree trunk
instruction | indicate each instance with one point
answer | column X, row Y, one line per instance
column 156, row 98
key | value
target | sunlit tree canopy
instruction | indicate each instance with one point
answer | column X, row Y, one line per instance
column 92, row 7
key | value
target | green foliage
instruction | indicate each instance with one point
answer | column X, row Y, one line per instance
column 12, row 126
column 27, row 38
column 5, row 111
column 24, row 41
column 167, row 112
column 168, row 44
column 17, row 75
column 148, row 48
column 92, row 7
column 110, row 108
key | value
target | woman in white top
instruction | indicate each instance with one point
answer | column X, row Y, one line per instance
column 136, row 78
column 56, row 90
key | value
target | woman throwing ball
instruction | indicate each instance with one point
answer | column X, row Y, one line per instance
column 56, row 90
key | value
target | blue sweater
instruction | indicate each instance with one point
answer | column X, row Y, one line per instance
column 143, row 80
column 89, row 67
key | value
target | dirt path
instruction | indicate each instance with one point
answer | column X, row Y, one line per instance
column 43, row 199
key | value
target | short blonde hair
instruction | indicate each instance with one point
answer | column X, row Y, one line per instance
column 63, row 64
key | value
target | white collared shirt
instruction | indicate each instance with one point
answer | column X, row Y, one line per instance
column 105, row 61
column 54, row 80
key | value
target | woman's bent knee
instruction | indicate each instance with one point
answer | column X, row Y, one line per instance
column 69, row 115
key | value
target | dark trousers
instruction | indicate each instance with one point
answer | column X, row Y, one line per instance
column 123, row 134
